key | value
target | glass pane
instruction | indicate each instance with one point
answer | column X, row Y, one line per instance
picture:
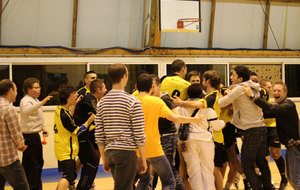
column 102, row 71
column 201, row 68
column 292, row 80
column 51, row 77
column 4, row 72
column 264, row 71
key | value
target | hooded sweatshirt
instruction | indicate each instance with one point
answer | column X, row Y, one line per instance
column 246, row 114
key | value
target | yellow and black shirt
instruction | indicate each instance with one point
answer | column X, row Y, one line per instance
column 175, row 86
column 65, row 135
column 269, row 122
column 212, row 102
column 83, row 91
column 84, row 109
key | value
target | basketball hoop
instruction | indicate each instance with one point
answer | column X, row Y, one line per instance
column 181, row 22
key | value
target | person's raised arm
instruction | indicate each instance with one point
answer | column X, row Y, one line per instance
column 191, row 104
column 28, row 108
column 184, row 119
column 229, row 98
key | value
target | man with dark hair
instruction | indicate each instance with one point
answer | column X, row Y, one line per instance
column 154, row 108
column 138, row 73
column 88, row 78
column 287, row 124
column 249, row 117
column 254, row 77
column 88, row 150
column 32, row 123
column 11, row 139
column 65, row 135
column 194, row 77
column 176, row 85
column 273, row 138
column 168, row 132
column 120, row 131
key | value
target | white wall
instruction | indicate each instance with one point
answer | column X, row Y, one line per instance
column 36, row 22
column 238, row 25
column 284, row 20
column 103, row 24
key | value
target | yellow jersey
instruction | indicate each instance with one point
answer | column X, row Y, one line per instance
column 153, row 108
column 175, row 86
column 212, row 102
column 65, row 135
column 269, row 122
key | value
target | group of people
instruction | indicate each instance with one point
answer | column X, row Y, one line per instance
column 136, row 136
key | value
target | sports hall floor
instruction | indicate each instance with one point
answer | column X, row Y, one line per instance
column 104, row 180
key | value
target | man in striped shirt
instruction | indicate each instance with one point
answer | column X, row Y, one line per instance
column 120, row 131
column 11, row 139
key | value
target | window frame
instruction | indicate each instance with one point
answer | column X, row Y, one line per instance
column 161, row 61
column 9, row 68
column 295, row 99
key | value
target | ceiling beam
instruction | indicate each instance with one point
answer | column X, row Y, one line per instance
column 74, row 26
column 212, row 23
column 155, row 34
column 151, row 52
column 266, row 28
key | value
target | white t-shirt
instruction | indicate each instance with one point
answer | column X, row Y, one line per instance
column 204, row 131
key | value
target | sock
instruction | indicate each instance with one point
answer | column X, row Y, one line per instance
column 227, row 186
column 281, row 166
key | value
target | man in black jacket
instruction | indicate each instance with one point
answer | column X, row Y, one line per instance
column 89, row 154
column 287, row 121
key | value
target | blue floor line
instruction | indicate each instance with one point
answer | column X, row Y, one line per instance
column 52, row 175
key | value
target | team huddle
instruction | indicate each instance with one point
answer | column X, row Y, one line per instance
column 137, row 135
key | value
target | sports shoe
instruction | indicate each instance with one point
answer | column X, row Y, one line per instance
column 246, row 185
column 283, row 184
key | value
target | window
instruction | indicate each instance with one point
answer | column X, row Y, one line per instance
column 292, row 80
column 4, row 72
column 102, row 71
column 51, row 78
column 220, row 68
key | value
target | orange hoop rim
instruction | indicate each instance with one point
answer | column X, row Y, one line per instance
column 190, row 19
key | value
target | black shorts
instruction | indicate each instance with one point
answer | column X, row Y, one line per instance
column 229, row 133
column 67, row 166
column 220, row 155
column 273, row 139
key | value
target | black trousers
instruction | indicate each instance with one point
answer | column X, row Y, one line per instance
column 33, row 160
column 254, row 151
column 90, row 161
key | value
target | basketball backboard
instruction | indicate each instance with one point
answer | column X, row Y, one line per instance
column 180, row 15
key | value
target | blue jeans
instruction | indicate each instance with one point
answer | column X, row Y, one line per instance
column 163, row 169
column 292, row 158
column 123, row 165
column 15, row 175
column 254, row 151
column 169, row 145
